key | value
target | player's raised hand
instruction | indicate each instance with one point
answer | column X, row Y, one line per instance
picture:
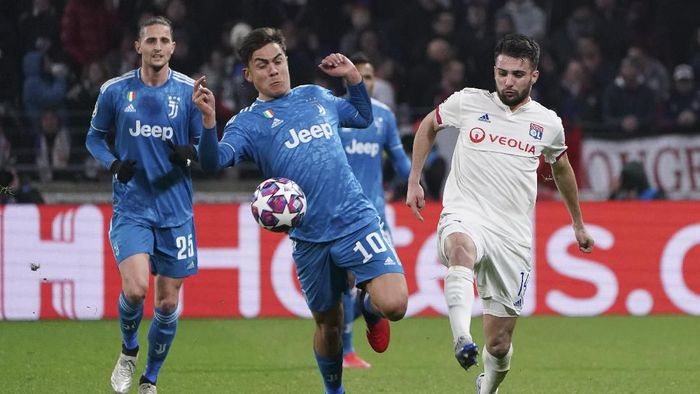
column 415, row 199
column 204, row 100
column 337, row 65
column 584, row 240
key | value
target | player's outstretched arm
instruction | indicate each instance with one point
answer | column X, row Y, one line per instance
column 565, row 180
column 208, row 149
column 422, row 144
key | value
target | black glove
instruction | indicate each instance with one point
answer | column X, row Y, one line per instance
column 182, row 155
column 123, row 170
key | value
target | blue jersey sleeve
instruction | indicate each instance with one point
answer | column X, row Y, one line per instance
column 394, row 147
column 357, row 110
column 215, row 155
column 100, row 124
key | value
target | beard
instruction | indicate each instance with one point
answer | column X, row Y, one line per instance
column 514, row 100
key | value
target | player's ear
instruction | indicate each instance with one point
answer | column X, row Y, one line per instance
column 535, row 75
column 137, row 46
column 246, row 75
column 173, row 50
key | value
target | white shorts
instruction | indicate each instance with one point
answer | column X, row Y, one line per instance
column 502, row 267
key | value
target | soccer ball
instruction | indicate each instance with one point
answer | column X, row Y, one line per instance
column 278, row 204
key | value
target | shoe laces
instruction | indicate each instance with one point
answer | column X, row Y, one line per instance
column 127, row 367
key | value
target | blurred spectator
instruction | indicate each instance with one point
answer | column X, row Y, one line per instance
column 694, row 58
column 425, row 76
column 629, row 106
column 14, row 189
column 476, row 45
column 88, row 30
column 683, row 107
column 360, row 19
column 236, row 92
column 40, row 22
column 9, row 60
column 577, row 102
column 601, row 69
column 581, row 23
column 52, row 147
column 383, row 87
column 44, row 87
column 5, row 147
column 608, row 28
column 452, row 80
column 502, row 24
column 528, row 18
column 633, row 184
column 191, row 48
column 654, row 73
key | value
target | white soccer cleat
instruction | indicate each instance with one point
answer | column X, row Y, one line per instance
column 147, row 388
column 479, row 379
column 123, row 373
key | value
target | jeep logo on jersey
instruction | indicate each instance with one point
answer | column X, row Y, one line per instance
column 155, row 131
column 305, row 135
column 362, row 148
column 477, row 135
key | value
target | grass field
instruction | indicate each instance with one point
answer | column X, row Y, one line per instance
column 552, row 355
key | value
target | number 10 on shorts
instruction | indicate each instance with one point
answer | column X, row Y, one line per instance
column 375, row 242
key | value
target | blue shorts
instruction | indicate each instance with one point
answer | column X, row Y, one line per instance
column 172, row 250
column 322, row 267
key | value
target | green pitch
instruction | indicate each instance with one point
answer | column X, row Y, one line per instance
column 552, row 355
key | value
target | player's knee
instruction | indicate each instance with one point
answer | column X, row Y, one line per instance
column 459, row 255
column 135, row 294
column 395, row 309
column 498, row 347
column 167, row 305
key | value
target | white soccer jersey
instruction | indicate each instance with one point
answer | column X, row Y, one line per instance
column 493, row 179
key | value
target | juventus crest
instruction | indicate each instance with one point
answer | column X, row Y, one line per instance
column 173, row 104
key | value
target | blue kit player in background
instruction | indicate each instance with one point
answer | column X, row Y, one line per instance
column 152, row 226
column 293, row 133
column 364, row 149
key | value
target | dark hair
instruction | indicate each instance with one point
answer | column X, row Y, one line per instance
column 519, row 46
column 257, row 39
column 155, row 20
column 359, row 58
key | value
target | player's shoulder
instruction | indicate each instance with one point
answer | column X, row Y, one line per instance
column 181, row 78
column 117, row 82
column 545, row 114
column 246, row 115
column 378, row 105
column 314, row 90
column 474, row 92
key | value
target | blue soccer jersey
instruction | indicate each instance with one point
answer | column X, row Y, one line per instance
column 145, row 118
column 296, row 137
column 364, row 148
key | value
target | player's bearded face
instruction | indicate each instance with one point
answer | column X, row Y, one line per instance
column 268, row 70
column 514, row 80
column 156, row 46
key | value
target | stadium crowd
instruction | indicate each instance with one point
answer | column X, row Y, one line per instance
column 611, row 68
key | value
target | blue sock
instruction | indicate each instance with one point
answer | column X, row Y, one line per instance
column 348, row 317
column 129, row 319
column 368, row 311
column 332, row 373
column 160, row 337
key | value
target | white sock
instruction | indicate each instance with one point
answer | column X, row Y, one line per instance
column 459, row 294
column 495, row 370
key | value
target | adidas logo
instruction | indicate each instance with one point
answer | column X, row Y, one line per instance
column 190, row 265
column 276, row 122
column 130, row 108
column 485, row 118
column 389, row 261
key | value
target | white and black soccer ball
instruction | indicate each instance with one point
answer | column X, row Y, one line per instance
column 278, row 204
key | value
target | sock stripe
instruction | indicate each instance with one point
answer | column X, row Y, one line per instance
column 164, row 318
column 126, row 306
